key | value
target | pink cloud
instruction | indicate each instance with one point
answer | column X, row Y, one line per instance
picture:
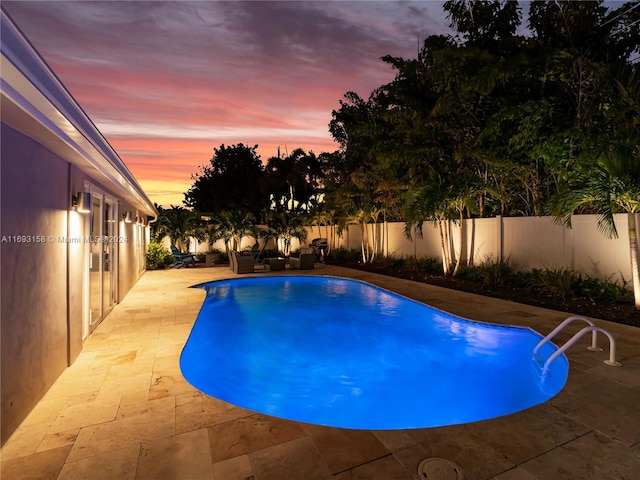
column 166, row 82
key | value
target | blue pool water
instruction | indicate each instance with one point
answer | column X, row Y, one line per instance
column 338, row 352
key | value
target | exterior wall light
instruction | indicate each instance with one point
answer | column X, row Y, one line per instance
column 127, row 217
column 81, row 202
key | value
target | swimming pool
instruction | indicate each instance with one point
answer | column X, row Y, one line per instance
column 343, row 353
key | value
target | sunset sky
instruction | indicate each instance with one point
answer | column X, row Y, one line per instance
column 166, row 82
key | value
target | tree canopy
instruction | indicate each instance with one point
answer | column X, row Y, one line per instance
column 231, row 181
column 496, row 119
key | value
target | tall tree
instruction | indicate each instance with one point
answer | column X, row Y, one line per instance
column 356, row 189
column 292, row 182
column 230, row 182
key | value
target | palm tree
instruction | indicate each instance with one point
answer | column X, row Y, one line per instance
column 179, row 224
column 284, row 227
column 610, row 186
column 324, row 218
column 232, row 226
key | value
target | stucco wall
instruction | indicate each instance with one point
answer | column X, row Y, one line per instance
column 128, row 265
column 44, row 280
column 34, row 288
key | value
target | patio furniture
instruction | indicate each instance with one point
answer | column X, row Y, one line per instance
column 257, row 253
column 240, row 263
column 182, row 259
column 306, row 260
column 275, row 264
column 320, row 246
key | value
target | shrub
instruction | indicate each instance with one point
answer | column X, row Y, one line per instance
column 523, row 278
column 495, row 273
column 218, row 256
column 339, row 256
column 605, row 291
column 470, row 272
column 157, row 255
column 423, row 265
column 389, row 261
column 559, row 282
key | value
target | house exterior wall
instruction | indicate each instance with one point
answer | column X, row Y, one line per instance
column 43, row 269
column 131, row 264
column 33, row 202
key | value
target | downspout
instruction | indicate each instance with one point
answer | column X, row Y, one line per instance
column 68, row 265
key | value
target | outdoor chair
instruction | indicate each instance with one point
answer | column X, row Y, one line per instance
column 257, row 253
column 240, row 263
column 306, row 260
column 182, row 259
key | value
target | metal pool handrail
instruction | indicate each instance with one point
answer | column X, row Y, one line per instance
column 594, row 338
column 594, row 347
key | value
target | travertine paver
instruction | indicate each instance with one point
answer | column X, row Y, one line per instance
column 123, row 409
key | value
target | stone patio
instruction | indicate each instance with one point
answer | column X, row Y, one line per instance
column 123, row 410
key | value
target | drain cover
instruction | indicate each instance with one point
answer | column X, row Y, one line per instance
column 435, row 468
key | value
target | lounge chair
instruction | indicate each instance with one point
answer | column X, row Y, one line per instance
column 306, row 260
column 240, row 263
column 258, row 255
column 182, row 259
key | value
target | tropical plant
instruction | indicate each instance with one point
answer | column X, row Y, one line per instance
column 559, row 282
column 495, row 272
column 610, row 185
column 156, row 255
column 231, row 226
column 292, row 182
column 180, row 225
column 283, row 228
column 605, row 290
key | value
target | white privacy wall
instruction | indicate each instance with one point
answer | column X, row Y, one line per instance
column 528, row 242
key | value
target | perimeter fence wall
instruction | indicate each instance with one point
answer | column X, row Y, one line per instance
column 527, row 242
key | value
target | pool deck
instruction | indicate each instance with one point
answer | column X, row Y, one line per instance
column 123, row 411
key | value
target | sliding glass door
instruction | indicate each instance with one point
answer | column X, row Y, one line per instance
column 102, row 258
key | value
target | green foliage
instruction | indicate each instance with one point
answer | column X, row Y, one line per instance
column 293, row 182
column 565, row 282
column 426, row 265
column 179, row 224
column 559, row 282
column 495, row 273
column 470, row 272
column 231, row 226
column 605, row 290
column 341, row 256
column 157, row 255
column 236, row 180
column 284, row 227
column 231, row 181
column 219, row 256
column 390, row 261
